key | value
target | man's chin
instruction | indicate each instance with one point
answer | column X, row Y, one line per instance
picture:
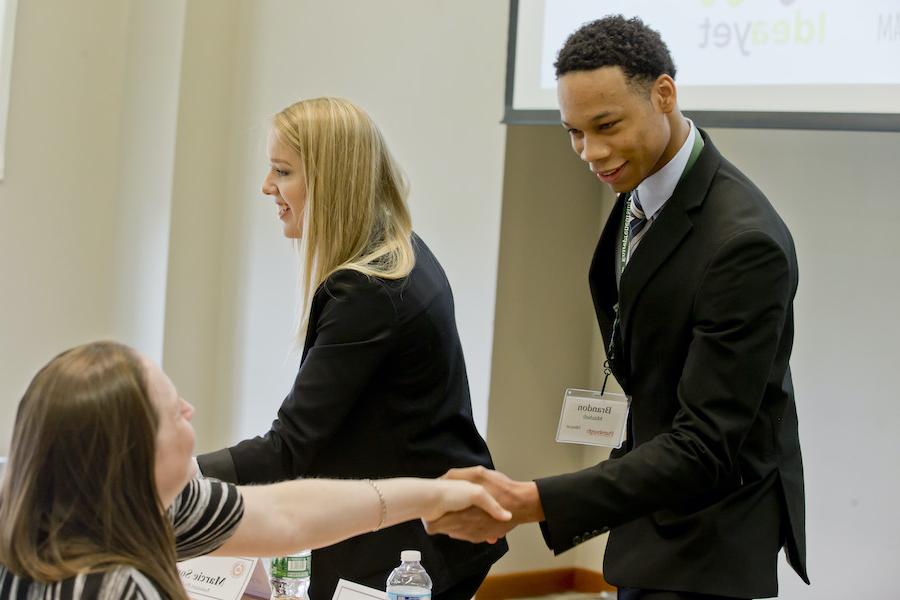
column 621, row 188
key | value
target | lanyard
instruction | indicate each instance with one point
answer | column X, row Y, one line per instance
column 626, row 227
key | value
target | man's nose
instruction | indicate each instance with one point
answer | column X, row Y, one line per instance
column 594, row 149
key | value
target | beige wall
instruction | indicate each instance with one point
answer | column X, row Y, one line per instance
column 544, row 338
column 109, row 127
column 58, row 200
column 194, row 336
column 131, row 205
column 431, row 75
column 148, row 117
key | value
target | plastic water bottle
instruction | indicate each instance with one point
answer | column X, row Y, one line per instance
column 290, row 576
column 409, row 581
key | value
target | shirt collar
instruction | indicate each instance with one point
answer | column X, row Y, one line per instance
column 657, row 189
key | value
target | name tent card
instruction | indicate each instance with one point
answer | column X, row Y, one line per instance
column 347, row 590
column 224, row 578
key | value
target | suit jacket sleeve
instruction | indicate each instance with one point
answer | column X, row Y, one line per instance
column 353, row 333
column 738, row 318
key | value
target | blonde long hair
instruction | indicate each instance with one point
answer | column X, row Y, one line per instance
column 79, row 492
column 356, row 215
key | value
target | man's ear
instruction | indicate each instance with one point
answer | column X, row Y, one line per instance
column 664, row 94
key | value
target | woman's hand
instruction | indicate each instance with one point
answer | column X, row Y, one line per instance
column 521, row 498
column 457, row 495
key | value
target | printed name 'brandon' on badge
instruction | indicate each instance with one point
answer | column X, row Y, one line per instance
column 606, row 410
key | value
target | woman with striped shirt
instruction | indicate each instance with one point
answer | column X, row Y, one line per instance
column 98, row 501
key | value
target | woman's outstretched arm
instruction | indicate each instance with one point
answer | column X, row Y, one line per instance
column 310, row 513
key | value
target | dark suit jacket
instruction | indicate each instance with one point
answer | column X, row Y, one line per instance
column 381, row 392
column 710, row 483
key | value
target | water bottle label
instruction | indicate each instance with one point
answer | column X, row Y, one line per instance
column 403, row 596
column 291, row 567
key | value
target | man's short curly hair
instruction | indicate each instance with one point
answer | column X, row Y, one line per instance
column 615, row 41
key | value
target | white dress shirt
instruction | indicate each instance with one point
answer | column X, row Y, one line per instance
column 656, row 190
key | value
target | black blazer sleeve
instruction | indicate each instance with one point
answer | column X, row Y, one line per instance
column 352, row 322
column 738, row 314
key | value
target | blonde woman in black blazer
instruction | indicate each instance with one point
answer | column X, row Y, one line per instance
column 381, row 390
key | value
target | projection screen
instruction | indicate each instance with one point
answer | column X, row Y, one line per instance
column 794, row 64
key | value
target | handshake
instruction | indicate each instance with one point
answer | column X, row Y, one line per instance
column 473, row 524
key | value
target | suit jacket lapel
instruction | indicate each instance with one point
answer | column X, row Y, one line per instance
column 602, row 274
column 667, row 231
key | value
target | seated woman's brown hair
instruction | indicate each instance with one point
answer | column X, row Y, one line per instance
column 79, row 493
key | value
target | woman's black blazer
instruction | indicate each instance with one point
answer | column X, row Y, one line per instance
column 381, row 392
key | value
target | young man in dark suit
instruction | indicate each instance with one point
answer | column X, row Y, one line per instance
column 693, row 281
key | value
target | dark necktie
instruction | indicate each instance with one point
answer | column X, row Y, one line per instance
column 637, row 223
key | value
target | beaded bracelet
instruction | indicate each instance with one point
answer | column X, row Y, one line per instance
column 380, row 501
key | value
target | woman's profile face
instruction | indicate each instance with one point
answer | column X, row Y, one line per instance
column 286, row 183
column 175, row 435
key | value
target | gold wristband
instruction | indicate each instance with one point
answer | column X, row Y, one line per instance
column 380, row 502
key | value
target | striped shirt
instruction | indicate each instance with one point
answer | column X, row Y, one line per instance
column 204, row 515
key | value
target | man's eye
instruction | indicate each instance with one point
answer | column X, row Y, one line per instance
column 606, row 125
column 574, row 132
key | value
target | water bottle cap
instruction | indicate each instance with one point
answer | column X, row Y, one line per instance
column 410, row 556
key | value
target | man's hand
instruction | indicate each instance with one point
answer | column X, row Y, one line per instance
column 474, row 525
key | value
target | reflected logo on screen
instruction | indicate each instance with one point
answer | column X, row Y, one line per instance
column 889, row 27
column 730, row 32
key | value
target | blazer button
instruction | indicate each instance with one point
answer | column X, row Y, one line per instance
column 577, row 540
column 595, row 533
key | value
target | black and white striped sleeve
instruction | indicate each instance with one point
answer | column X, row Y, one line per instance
column 204, row 515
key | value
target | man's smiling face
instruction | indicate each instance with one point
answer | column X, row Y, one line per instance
column 620, row 128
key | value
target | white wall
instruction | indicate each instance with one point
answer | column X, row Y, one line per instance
column 131, row 207
column 144, row 174
column 7, row 33
column 431, row 75
column 58, row 200
column 200, row 182
column 838, row 193
column 86, row 206
column 543, row 337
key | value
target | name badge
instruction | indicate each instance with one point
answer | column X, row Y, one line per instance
column 592, row 418
column 224, row 578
